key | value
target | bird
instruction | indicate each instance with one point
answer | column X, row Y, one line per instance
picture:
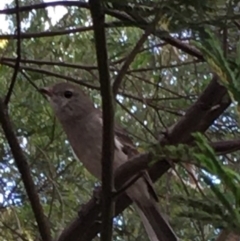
column 82, row 123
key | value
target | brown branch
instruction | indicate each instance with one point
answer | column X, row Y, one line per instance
column 224, row 147
column 98, row 19
column 25, row 172
column 17, row 63
column 201, row 114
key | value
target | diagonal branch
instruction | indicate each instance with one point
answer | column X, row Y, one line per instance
column 98, row 18
column 25, row 172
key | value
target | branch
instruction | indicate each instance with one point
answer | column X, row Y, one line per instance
column 98, row 18
column 224, row 147
column 17, row 64
column 25, row 172
column 209, row 106
column 29, row 8
column 141, row 162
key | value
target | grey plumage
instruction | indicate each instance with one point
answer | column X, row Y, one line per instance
column 82, row 123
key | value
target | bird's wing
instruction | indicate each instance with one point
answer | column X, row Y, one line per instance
column 130, row 150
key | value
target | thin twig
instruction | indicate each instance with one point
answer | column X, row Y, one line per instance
column 62, row 32
column 108, row 119
column 83, row 83
column 168, row 66
column 13, row 231
column 184, row 184
column 166, row 36
column 133, row 54
column 17, row 63
column 139, row 121
column 52, row 63
column 50, row 73
column 28, row 8
column 47, row 33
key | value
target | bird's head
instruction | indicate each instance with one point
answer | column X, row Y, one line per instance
column 67, row 100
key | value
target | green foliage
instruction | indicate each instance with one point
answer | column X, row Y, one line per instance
column 228, row 69
column 221, row 208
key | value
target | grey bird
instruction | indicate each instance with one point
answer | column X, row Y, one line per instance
column 82, row 123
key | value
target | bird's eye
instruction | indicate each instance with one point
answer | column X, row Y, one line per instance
column 68, row 94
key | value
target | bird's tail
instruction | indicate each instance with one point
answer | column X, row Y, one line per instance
column 154, row 223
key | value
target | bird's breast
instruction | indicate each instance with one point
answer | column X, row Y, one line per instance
column 86, row 142
column 85, row 137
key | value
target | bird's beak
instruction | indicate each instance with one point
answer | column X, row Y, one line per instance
column 46, row 92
